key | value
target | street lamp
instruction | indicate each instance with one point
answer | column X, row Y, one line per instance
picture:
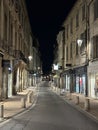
column 79, row 41
column 30, row 70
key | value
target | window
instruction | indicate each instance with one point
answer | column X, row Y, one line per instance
column 95, row 47
column 11, row 35
column 16, row 40
column 71, row 26
column 71, row 50
column 67, row 53
column 0, row 16
column 64, row 36
column 83, row 12
column 77, row 20
column 76, row 48
column 95, row 9
column 5, row 27
column 67, row 29
column 20, row 43
column 11, row 2
column 17, row 5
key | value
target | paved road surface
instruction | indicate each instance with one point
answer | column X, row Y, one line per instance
column 50, row 113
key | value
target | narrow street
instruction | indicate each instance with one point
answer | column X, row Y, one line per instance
column 50, row 113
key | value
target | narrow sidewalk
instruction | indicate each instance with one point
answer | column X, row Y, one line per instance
column 79, row 101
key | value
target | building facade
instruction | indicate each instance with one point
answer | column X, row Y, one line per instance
column 93, row 49
column 76, row 63
column 60, row 60
column 15, row 43
column 80, row 42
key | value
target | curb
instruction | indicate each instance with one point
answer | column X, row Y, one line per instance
column 7, row 119
column 82, row 110
column 86, row 113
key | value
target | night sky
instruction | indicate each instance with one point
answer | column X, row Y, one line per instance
column 46, row 18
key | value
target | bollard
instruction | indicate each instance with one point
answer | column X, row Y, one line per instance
column 77, row 100
column 87, row 104
column 23, row 102
column 31, row 97
column 70, row 96
column 1, row 111
column 28, row 98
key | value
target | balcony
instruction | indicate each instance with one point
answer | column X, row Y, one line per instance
column 11, row 51
column 20, row 56
column 4, row 45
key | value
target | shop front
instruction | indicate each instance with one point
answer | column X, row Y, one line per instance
column 93, row 80
column 67, row 76
column 80, row 76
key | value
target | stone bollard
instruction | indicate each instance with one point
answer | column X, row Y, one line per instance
column 87, row 104
column 31, row 97
column 1, row 111
column 23, row 102
column 70, row 96
column 28, row 97
column 77, row 100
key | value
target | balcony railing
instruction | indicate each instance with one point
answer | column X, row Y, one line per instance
column 11, row 51
column 20, row 56
column 4, row 45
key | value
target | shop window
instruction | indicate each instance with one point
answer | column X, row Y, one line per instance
column 96, row 86
column 77, row 84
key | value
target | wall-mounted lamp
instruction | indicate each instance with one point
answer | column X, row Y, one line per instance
column 79, row 41
column 55, row 66
column 30, row 58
